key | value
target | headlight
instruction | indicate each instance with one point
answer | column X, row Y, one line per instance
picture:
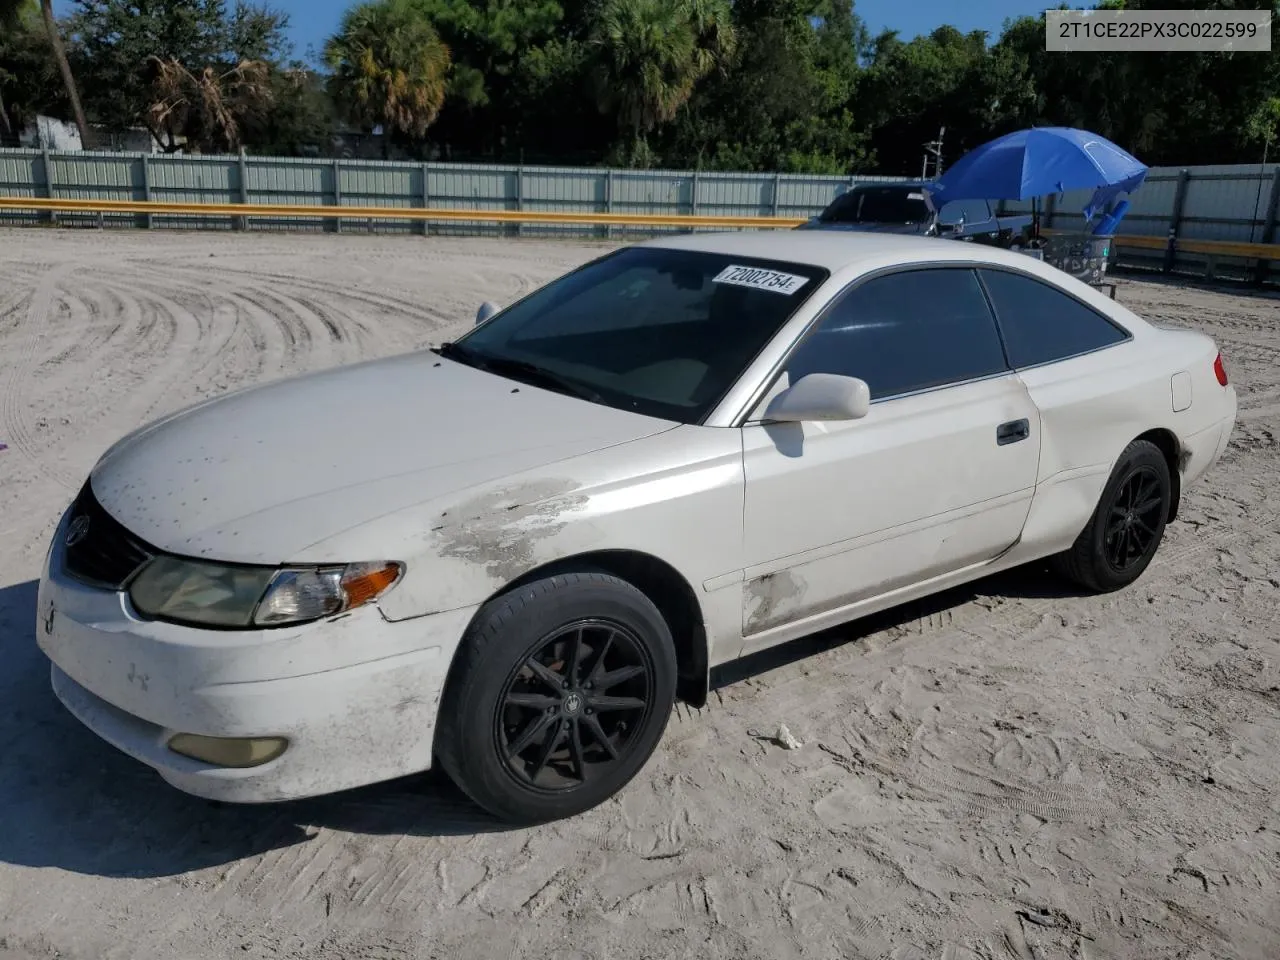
column 218, row 595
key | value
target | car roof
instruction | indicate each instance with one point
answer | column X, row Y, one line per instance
column 837, row 250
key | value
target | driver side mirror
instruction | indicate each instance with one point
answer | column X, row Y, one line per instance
column 487, row 310
column 821, row 396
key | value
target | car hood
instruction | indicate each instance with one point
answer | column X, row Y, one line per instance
column 258, row 475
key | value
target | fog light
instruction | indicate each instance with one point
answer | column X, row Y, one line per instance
column 229, row 751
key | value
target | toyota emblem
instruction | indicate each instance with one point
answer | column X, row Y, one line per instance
column 78, row 530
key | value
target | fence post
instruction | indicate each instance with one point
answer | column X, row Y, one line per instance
column 337, row 193
column 519, row 196
column 1269, row 227
column 242, row 222
column 148, row 220
column 777, row 190
column 426, row 198
column 1175, row 219
column 693, row 197
column 48, row 179
column 608, row 202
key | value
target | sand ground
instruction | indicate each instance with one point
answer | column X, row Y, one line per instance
column 1011, row 770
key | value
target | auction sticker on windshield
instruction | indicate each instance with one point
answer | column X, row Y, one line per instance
column 760, row 279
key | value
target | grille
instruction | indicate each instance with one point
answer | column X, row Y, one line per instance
column 107, row 554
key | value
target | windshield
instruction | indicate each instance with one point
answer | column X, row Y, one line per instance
column 877, row 205
column 660, row 332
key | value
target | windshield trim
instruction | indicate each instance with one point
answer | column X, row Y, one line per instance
column 817, row 276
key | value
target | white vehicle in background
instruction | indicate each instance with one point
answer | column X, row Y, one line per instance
column 511, row 555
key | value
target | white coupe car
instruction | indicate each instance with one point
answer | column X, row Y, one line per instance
column 511, row 555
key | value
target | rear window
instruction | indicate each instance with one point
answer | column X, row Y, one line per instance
column 659, row 331
column 1041, row 324
column 877, row 205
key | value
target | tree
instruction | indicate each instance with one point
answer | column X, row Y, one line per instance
column 64, row 67
column 1166, row 108
column 911, row 89
column 650, row 54
column 208, row 107
column 300, row 118
column 390, row 68
column 189, row 62
column 11, row 23
column 786, row 102
column 515, row 78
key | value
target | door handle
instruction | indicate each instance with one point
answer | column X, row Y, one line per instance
column 1012, row 432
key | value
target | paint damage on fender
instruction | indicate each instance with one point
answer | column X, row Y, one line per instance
column 500, row 530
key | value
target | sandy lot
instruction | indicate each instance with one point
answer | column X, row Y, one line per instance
column 1011, row 770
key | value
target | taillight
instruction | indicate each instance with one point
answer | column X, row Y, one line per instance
column 1219, row 370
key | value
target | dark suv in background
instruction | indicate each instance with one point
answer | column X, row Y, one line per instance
column 901, row 208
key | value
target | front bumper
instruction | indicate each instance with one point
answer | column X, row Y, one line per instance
column 356, row 697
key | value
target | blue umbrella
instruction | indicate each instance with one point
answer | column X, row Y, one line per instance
column 1040, row 161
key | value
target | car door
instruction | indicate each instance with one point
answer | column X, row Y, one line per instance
column 938, row 476
column 1093, row 398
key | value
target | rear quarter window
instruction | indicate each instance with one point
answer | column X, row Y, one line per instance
column 1041, row 324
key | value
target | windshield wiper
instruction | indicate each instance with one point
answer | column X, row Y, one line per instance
column 521, row 370
column 534, row 374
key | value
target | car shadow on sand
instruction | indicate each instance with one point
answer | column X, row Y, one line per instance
column 71, row 801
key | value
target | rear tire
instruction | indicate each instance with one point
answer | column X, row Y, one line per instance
column 1127, row 526
column 560, row 693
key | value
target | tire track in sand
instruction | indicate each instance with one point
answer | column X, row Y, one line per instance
column 12, row 404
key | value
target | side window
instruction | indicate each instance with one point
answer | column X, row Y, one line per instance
column 904, row 332
column 973, row 211
column 1041, row 324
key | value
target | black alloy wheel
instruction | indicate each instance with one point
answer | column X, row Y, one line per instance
column 1134, row 522
column 1125, row 530
column 573, row 708
column 558, row 695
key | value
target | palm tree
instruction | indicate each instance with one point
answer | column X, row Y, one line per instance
column 64, row 67
column 650, row 54
column 390, row 68
column 11, row 19
column 208, row 106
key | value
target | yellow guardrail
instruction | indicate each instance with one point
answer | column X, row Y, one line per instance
column 1219, row 248
column 1252, row 251
column 389, row 213
column 1142, row 242
column 1212, row 248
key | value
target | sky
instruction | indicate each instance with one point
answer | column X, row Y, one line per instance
column 312, row 21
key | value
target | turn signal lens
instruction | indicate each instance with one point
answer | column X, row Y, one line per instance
column 1220, row 371
column 229, row 751
column 361, row 582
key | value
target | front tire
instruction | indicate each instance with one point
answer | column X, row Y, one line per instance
column 1127, row 526
column 560, row 693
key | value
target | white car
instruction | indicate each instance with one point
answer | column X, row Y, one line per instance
column 510, row 555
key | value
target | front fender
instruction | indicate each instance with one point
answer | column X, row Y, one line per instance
column 676, row 496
